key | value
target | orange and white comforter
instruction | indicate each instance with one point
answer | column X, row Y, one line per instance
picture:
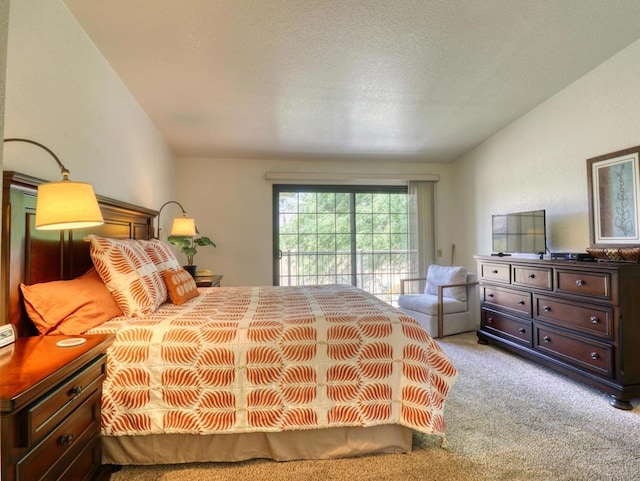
column 236, row 360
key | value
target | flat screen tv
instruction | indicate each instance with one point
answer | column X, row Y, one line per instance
column 519, row 233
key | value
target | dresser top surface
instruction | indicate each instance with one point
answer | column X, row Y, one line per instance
column 558, row 263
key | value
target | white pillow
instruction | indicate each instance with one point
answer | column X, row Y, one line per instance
column 439, row 275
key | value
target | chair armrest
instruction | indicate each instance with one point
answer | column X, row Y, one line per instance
column 441, row 289
column 413, row 279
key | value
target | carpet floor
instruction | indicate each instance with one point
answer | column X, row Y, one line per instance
column 507, row 419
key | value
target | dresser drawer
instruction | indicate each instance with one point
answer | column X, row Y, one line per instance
column 496, row 272
column 512, row 300
column 590, row 319
column 506, row 326
column 51, row 409
column 584, row 284
column 57, row 450
column 586, row 354
column 540, row 278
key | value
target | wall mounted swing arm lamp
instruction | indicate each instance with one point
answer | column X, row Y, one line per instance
column 64, row 204
column 182, row 226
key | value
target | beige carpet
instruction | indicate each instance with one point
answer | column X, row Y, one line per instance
column 507, row 419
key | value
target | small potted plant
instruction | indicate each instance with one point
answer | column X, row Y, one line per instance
column 189, row 247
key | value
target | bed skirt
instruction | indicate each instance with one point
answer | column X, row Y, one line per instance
column 279, row 446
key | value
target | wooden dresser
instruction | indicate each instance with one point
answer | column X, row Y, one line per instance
column 579, row 318
column 50, row 407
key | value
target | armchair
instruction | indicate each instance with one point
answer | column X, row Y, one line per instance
column 449, row 301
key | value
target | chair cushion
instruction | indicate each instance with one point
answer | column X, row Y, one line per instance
column 438, row 275
column 428, row 304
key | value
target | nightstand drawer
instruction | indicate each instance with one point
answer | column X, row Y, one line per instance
column 50, row 410
column 56, row 451
column 590, row 355
column 87, row 461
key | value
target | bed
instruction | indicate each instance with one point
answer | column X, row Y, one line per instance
column 234, row 373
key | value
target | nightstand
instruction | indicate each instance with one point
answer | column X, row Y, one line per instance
column 50, row 406
column 214, row 281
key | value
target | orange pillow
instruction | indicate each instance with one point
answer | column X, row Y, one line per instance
column 180, row 285
column 69, row 307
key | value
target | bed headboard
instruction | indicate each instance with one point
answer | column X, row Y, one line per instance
column 31, row 256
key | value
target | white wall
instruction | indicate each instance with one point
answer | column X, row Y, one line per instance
column 4, row 33
column 60, row 91
column 539, row 161
column 232, row 204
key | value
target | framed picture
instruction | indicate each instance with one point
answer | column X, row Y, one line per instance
column 614, row 196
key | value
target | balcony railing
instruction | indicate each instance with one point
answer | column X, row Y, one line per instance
column 377, row 272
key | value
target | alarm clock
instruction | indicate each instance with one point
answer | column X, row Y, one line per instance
column 7, row 335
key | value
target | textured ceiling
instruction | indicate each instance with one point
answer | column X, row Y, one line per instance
column 409, row 80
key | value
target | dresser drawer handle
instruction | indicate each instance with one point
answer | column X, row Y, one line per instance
column 489, row 295
column 76, row 391
column 531, row 276
column 521, row 302
column 546, row 309
column 489, row 320
column 495, row 271
column 66, row 439
column 522, row 330
column 579, row 282
column 594, row 320
column 546, row 339
column 595, row 355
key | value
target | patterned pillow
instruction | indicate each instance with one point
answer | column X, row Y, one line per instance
column 181, row 286
column 161, row 254
column 129, row 274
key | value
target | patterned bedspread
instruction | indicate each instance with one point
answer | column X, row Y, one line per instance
column 252, row 359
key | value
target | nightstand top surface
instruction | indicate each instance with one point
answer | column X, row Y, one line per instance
column 30, row 360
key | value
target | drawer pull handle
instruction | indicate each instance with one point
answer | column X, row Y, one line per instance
column 595, row 356
column 489, row 320
column 521, row 302
column 531, row 276
column 66, row 439
column 489, row 295
column 75, row 391
column 522, row 330
column 546, row 339
column 579, row 282
column 594, row 320
column 546, row 309
column 495, row 271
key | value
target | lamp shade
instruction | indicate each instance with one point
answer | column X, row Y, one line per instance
column 67, row 205
column 183, row 226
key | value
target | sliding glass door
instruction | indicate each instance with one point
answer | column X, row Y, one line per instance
column 342, row 235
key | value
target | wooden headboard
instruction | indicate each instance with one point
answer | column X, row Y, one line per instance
column 31, row 256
